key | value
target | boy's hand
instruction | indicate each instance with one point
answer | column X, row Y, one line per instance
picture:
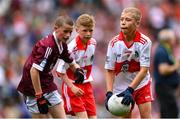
column 42, row 104
column 79, row 73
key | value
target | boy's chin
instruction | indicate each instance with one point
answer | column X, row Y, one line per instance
column 87, row 38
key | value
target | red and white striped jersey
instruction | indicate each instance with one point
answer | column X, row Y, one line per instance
column 127, row 60
column 83, row 55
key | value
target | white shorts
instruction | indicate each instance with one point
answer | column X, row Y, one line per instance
column 54, row 98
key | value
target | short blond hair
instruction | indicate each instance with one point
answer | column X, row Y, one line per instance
column 136, row 12
column 85, row 20
column 166, row 34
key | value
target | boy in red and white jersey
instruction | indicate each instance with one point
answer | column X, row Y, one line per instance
column 127, row 64
column 82, row 49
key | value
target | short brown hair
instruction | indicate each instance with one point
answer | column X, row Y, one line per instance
column 63, row 20
column 85, row 20
column 136, row 12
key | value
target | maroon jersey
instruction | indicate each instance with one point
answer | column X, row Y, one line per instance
column 43, row 57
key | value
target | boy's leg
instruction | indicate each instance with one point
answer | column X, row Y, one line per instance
column 92, row 117
column 145, row 110
column 56, row 107
column 57, row 111
column 81, row 115
column 143, row 98
column 38, row 115
column 73, row 104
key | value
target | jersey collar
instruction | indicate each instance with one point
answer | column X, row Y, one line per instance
column 136, row 39
column 79, row 43
column 59, row 45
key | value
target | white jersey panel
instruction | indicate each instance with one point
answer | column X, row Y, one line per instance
column 61, row 66
column 126, row 61
column 145, row 52
column 83, row 57
column 111, row 56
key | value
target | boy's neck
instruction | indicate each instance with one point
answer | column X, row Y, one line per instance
column 129, row 37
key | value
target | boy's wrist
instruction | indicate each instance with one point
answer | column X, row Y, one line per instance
column 39, row 94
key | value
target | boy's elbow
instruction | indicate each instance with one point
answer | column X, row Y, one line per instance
column 33, row 70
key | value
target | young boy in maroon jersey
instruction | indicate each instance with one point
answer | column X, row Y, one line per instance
column 37, row 86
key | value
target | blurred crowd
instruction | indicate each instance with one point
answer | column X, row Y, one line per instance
column 23, row 22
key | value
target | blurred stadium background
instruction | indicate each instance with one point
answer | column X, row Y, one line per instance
column 23, row 22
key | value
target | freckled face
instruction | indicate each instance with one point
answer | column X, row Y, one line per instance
column 84, row 32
